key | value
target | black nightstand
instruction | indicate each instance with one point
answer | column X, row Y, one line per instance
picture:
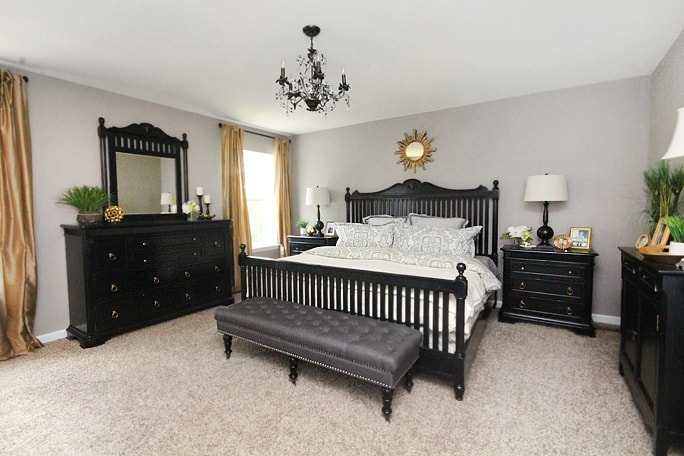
column 299, row 244
column 548, row 286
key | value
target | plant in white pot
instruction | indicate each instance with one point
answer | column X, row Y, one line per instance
column 676, row 225
column 302, row 226
column 88, row 200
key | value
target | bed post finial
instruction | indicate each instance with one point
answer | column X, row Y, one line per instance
column 496, row 184
column 242, row 261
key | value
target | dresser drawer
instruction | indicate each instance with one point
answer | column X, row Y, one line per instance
column 214, row 244
column 201, row 292
column 108, row 254
column 563, row 270
column 525, row 304
column 552, row 286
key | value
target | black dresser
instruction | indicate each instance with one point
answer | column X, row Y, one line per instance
column 652, row 345
column 549, row 286
column 123, row 277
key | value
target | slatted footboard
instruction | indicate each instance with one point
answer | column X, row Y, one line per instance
column 422, row 303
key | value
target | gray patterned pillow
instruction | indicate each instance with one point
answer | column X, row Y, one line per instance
column 438, row 241
column 361, row 235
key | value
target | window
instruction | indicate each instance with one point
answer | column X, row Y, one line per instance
column 259, row 183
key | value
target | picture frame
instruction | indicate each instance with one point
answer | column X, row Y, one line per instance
column 581, row 238
column 661, row 234
column 329, row 229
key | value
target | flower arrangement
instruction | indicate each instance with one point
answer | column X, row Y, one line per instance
column 521, row 234
column 190, row 207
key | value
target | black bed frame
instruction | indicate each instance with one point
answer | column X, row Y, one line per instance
column 365, row 293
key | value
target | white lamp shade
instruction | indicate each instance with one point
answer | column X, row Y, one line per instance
column 546, row 187
column 166, row 198
column 317, row 196
column 676, row 148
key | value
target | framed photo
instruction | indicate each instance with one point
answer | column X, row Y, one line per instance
column 581, row 238
column 329, row 229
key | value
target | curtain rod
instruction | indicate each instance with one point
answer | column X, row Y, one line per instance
column 252, row 132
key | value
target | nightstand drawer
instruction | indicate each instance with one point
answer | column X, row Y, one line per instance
column 548, row 268
column 531, row 305
column 548, row 286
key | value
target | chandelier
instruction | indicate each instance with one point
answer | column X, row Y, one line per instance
column 309, row 86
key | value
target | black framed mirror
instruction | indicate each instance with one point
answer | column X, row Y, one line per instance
column 141, row 166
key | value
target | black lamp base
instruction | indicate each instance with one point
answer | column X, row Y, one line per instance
column 544, row 233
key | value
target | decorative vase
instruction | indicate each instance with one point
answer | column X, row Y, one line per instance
column 87, row 218
column 676, row 248
column 302, row 231
column 192, row 216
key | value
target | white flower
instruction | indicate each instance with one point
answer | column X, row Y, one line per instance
column 523, row 232
column 189, row 207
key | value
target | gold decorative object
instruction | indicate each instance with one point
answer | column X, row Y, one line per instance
column 206, row 216
column 562, row 242
column 415, row 151
column 113, row 214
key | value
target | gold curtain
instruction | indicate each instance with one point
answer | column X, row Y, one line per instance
column 17, row 242
column 281, row 156
column 233, row 186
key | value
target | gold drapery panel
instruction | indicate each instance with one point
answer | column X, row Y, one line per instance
column 17, row 241
column 281, row 158
column 233, row 188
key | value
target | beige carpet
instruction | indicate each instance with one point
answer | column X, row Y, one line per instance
column 168, row 389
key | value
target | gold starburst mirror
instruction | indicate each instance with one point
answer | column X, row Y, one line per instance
column 415, row 151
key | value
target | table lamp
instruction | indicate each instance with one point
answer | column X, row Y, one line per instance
column 167, row 200
column 545, row 188
column 676, row 148
column 318, row 196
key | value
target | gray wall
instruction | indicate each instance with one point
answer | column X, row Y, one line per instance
column 65, row 144
column 596, row 135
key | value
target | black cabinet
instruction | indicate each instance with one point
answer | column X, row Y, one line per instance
column 299, row 244
column 652, row 345
column 548, row 286
column 123, row 277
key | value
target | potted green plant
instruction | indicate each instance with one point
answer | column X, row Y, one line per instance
column 676, row 225
column 663, row 188
column 302, row 226
column 88, row 200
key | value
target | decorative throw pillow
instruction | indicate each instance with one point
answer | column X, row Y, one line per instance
column 438, row 241
column 382, row 219
column 361, row 235
column 454, row 223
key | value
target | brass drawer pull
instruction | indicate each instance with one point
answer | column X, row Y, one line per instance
column 145, row 261
column 522, row 268
column 522, row 285
column 156, row 280
column 569, row 310
column 143, row 243
column 217, row 269
column 115, row 314
column 187, row 274
column 522, row 304
column 570, row 272
column 113, row 288
column 218, row 289
column 195, row 254
column 570, row 291
column 112, row 256
column 194, row 238
column 217, row 244
column 188, row 297
column 157, row 304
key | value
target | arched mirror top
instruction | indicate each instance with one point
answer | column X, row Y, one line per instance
column 415, row 150
column 141, row 165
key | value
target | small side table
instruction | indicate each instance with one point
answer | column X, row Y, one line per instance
column 549, row 286
column 299, row 244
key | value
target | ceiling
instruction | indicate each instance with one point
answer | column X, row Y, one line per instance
column 221, row 58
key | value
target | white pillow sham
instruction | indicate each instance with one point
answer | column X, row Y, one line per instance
column 362, row 235
column 437, row 222
column 382, row 219
column 439, row 241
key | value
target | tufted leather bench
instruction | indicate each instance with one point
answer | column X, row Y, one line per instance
column 377, row 351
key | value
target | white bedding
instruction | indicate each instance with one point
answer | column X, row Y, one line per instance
column 481, row 281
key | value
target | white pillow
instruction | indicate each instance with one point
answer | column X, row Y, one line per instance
column 438, row 241
column 382, row 219
column 361, row 235
column 437, row 222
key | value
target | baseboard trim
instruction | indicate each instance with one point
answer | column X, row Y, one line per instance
column 609, row 320
column 51, row 337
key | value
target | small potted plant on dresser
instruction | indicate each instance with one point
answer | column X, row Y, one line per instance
column 302, row 227
column 676, row 225
column 88, row 200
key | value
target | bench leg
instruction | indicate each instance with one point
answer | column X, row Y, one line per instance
column 293, row 369
column 408, row 380
column 228, row 342
column 387, row 402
